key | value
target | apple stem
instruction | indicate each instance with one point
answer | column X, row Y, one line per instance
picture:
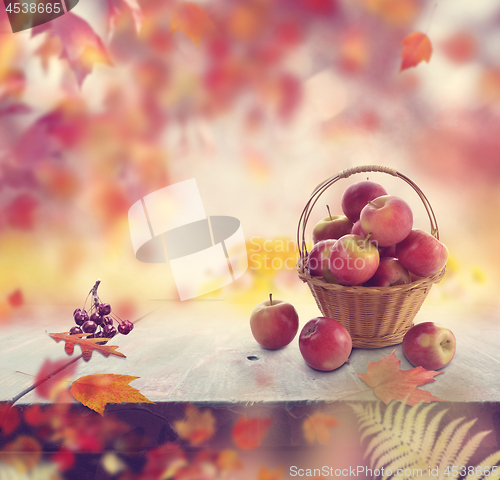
column 328, row 208
column 270, row 299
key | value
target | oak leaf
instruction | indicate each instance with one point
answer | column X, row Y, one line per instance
column 248, row 432
column 391, row 383
column 197, row 427
column 96, row 391
column 190, row 19
column 88, row 345
column 416, row 47
column 317, row 427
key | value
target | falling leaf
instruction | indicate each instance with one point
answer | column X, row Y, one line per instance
column 81, row 46
column 23, row 453
column 416, row 47
column 51, row 47
column 9, row 418
column 276, row 474
column 96, row 391
column 16, row 298
column 52, row 388
column 391, row 383
column 88, row 345
column 197, row 427
column 190, row 19
column 248, row 432
column 317, row 427
column 228, row 460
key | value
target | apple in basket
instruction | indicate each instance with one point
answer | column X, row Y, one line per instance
column 422, row 253
column 325, row 344
column 357, row 230
column 331, row 227
column 389, row 219
column 389, row 272
column 353, row 260
column 318, row 260
column 274, row 323
column 356, row 196
column 429, row 345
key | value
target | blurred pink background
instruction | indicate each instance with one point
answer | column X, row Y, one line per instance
column 259, row 101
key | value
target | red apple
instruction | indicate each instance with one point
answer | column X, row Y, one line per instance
column 429, row 345
column 356, row 196
column 325, row 343
column 389, row 272
column 331, row 228
column 387, row 251
column 318, row 260
column 389, row 219
column 422, row 253
column 357, row 230
column 353, row 260
column 274, row 323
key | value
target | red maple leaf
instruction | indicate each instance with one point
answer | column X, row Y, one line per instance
column 416, row 47
column 88, row 345
column 389, row 382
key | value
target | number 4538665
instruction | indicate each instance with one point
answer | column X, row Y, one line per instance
column 34, row 8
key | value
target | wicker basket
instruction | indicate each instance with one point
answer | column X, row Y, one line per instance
column 374, row 316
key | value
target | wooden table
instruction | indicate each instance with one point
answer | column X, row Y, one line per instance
column 202, row 353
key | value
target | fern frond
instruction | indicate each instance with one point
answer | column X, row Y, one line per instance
column 455, row 444
column 410, row 417
column 381, row 439
column 442, row 441
column 469, row 448
column 430, row 434
column 399, row 418
column 373, row 429
column 359, row 410
column 493, row 459
column 420, row 424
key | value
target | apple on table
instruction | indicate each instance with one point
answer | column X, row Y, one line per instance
column 388, row 219
column 331, row 227
column 274, row 323
column 325, row 344
column 429, row 345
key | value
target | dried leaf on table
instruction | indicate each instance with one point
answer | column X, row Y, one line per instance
column 96, row 391
column 416, row 48
column 88, row 345
column 248, row 432
column 391, row 383
column 197, row 427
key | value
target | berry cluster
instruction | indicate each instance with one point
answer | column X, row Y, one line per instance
column 98, row 321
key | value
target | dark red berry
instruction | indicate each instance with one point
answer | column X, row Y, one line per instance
column 104, row 309
column 95, row 317
column 129, row 323
column 109, row 331
column 89, row 326
column 107, row 321
column 80, row 316
column 123, row 328
column 75, row 330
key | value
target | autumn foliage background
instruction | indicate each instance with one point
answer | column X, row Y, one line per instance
column 259, row 101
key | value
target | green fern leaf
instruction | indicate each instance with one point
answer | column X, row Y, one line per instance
column 455, row 444
column 442, row 441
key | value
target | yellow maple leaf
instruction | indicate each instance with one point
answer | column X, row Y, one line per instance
column 317, row 427
column 197, row 427
column 96, row 391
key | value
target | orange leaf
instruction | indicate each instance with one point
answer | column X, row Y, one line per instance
column 248, row 432
column 197, row 427
column 317, row 427
column 16, row 298
column 53, row 387
column 416, row 47
column 23, row 453
column 190, row 19
column 88, row 345
column 96, row 391
column 391, row 383
column 276, row 474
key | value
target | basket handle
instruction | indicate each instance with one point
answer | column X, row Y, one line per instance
column 320, row 189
